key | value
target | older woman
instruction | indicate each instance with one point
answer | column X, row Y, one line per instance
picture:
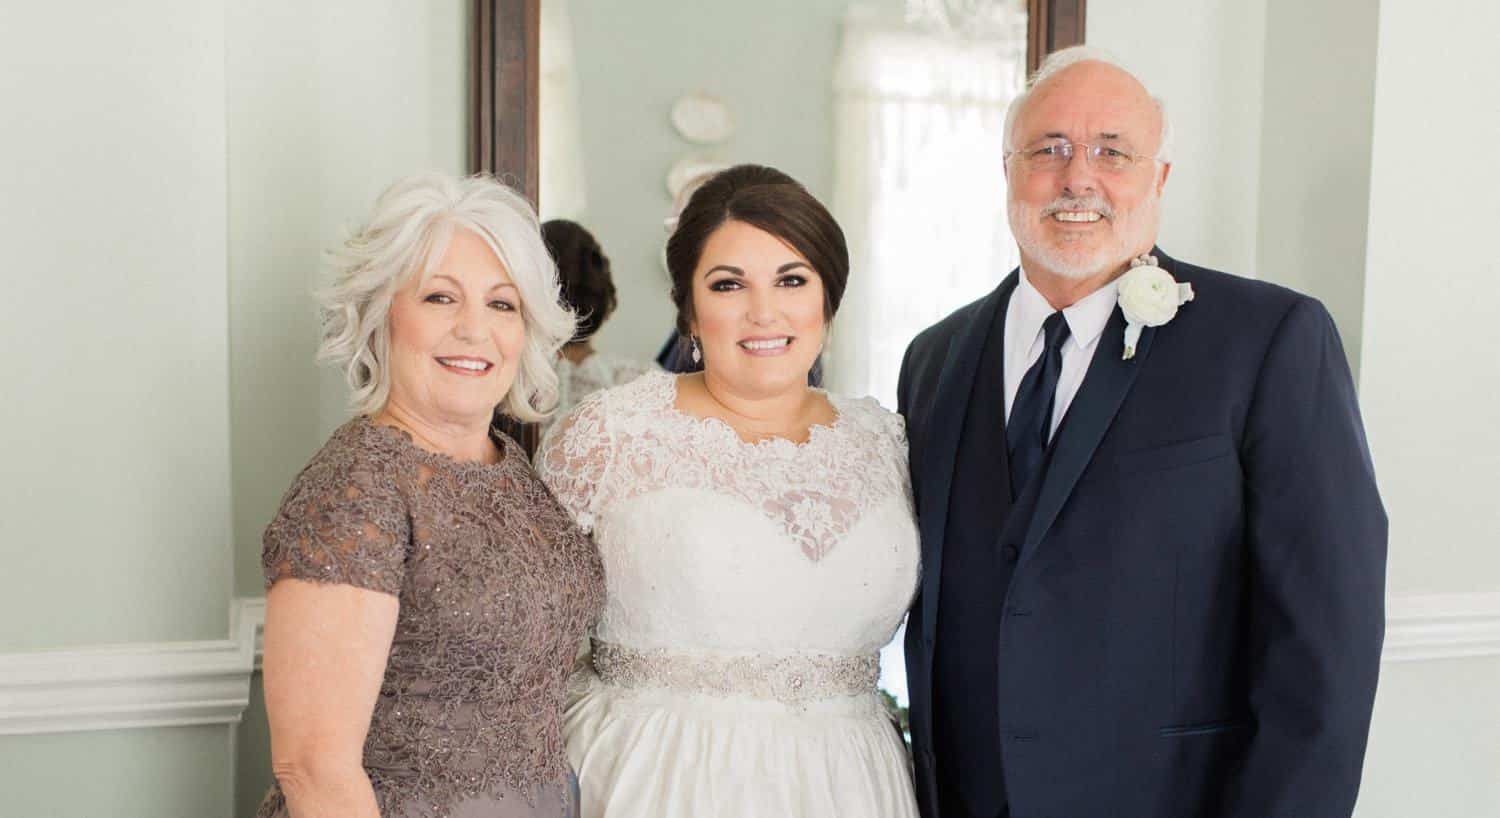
column 758, row 539
column 426, row 593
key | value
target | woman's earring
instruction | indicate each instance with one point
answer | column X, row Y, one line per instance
column 697, row 353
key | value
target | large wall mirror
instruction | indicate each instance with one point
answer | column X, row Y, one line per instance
column 889, row 111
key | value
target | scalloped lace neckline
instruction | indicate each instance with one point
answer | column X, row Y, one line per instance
column 668, row 393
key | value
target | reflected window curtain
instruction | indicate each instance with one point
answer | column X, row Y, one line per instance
column 919, row 183
column 560, row 177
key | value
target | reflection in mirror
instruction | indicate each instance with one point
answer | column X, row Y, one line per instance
column 588, row 289
column 888, row 112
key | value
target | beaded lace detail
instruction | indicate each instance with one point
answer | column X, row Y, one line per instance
column 496, row 587
column 793, row 679
column 632, row 440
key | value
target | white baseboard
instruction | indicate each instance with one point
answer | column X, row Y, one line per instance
column 1423, row 627
column 182, row 683
column 166, row 684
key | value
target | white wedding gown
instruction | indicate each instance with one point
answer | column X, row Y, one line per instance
column 750, row 589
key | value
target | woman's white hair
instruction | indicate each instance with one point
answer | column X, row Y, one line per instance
column 407, row 234
column 1073, row 55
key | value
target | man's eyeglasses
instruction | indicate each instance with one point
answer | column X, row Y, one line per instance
column 1054, row 154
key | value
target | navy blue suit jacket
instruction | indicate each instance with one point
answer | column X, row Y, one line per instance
column 1194, row 625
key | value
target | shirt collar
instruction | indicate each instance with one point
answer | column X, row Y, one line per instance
column 1086, row 318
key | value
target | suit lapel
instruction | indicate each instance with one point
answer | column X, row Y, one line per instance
column 1099, row 398
column 940, row 458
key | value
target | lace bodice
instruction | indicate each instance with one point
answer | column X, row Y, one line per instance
column 496, row 586
column 718, row 546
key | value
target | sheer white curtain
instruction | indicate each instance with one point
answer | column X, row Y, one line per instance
column 919, row 183
column 560, row 176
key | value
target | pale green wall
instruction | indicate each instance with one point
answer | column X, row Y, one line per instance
column 1206, row 60
column 147, row 773
column 115, row 431
column 1434, row 741
column 1430, row 377
column 771, row 62
column 327, row 105
column 1315, row 153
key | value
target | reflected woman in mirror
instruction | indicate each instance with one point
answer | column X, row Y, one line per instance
column 589, row 290
column 426, row 593
column 758, row 539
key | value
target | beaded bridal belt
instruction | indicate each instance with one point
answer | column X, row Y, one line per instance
column 788, row 679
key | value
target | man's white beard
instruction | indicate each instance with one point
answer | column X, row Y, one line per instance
column 1081, row 258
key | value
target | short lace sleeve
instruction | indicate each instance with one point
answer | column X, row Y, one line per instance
column 889, row 429
column 895, row 426
column 344, row 520
column 895, row 434
column 574, row 459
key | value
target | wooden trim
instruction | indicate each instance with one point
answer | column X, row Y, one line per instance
column 506, row 79
column 1052, row 25
column 504, row 103
column 481, row 87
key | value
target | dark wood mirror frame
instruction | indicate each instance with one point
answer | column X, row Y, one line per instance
column 504, row 83
column 503, row 78
column 1052, row 25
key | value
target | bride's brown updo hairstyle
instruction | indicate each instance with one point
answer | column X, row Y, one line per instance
column 767, row 199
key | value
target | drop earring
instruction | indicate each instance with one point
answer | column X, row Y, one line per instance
column 697, row 353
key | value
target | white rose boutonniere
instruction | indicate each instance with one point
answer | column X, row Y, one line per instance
column 1149, row 297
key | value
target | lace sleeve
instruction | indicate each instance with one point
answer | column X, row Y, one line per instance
column 575, row 457
column 900, row 448
column 343, row 521
column 895, row 426
column 889, row 429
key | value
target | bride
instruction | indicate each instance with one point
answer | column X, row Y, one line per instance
column 758, row 540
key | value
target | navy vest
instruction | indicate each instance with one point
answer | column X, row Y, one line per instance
column 983, row 544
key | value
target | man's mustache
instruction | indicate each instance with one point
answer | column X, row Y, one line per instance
column 1067, row 203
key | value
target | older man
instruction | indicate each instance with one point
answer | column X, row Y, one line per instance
column 1154, row 550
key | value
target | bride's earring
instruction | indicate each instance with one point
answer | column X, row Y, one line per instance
column 697, row 353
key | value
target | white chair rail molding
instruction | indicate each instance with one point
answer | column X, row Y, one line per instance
column 164, row 684
column 172, row 684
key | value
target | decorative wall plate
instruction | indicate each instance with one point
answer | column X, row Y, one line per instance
column 702, row 119
column 687, row 169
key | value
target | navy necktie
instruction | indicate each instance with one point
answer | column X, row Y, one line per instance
column 1031, row 411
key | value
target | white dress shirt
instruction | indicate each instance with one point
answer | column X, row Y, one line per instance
column 1024, row 340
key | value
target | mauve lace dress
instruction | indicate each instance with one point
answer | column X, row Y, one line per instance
column 496, row 586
